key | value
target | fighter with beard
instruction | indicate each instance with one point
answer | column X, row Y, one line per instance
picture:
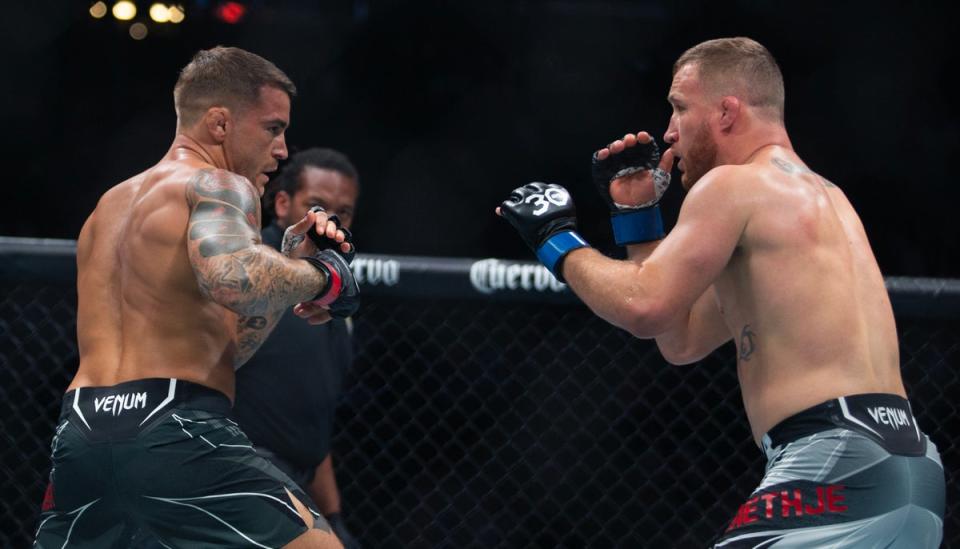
column 772, row 255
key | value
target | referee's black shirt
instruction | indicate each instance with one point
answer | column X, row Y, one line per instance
column 287, row 392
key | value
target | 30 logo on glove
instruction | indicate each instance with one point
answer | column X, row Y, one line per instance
column 545, row 217
column 555, row 194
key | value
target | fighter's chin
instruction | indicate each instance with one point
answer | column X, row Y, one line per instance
column 262, row 180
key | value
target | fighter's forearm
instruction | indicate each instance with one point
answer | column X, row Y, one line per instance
column 257, row 280
column 620, row 292
column 232, row 267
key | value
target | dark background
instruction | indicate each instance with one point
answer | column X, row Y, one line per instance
column 446, row 106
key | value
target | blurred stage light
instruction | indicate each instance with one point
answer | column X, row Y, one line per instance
column 231, row 12
column 138, row 31
column 98, row 10
column 124, row 10
column 159, row 13
column 177, row 14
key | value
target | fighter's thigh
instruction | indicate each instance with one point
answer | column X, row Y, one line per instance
column 200, row 482
column 78, row 508
column 82, row 529
column 840, row 489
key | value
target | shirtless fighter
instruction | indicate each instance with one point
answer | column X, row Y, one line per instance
column 772, row 255
column 175, row 291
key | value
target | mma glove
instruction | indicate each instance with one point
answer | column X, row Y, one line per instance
column 340, row 294
column 545, row 217
column 632, row 224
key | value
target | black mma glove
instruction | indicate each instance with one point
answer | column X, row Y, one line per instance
column 545, row 217
column 341, row 294
column 340, row 529
column 321, row 241
column 632, row 224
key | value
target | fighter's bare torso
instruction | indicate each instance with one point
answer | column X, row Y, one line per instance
column 140, row 311
column 802, row 294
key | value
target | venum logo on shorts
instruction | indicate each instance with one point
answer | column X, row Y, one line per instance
column 115, row 404
column 892, row 417
column 491, row 275
column 785, row 504
column 375, row 272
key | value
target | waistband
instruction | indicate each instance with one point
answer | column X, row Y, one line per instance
column 127, row 408
column 886, row 418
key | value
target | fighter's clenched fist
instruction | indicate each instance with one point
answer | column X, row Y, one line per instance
column 545, row 217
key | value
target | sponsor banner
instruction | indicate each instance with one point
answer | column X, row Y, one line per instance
column 44, row 260
column 447, row 277
column 495, row 275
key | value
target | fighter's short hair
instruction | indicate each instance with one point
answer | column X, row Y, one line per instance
column 225, row 76
column 738, row 66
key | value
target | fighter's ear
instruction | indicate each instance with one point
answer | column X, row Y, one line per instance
column 281, row 204
column 215, row 120
column 729, row 112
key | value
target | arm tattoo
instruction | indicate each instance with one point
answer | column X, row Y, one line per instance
column 290, row 241
column 747, row 344
column 232, row 268
column 252, row 331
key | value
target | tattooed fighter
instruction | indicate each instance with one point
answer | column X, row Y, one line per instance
column 769, row 254
column 175, row 291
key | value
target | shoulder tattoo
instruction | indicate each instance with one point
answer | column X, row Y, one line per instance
column 224, row 213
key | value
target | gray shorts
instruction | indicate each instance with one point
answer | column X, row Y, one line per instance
column 851, row 472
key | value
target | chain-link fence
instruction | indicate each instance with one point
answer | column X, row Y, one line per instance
column 516, row 420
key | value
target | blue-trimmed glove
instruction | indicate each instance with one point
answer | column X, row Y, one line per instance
column 545, row 217
column 633, row 224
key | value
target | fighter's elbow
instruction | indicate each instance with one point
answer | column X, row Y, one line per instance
column 677, row 355
column 234, row 300
column 232, row 293
column 647, row 318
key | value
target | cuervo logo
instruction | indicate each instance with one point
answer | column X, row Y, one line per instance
column 492, row 275
column 385, row 272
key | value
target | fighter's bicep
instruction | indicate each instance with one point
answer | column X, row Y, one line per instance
column 224, row 214
column 708, row 231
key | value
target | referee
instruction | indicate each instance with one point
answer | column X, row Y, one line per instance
column 288, row 391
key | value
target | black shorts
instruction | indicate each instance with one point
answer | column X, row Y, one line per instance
column 161, row 456
column 851, row 472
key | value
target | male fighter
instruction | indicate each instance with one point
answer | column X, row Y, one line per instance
column 772, row 255
column 175, row 291
column 287, row 392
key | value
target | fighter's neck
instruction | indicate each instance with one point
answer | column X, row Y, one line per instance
column 749, row 149
column 185, row 147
